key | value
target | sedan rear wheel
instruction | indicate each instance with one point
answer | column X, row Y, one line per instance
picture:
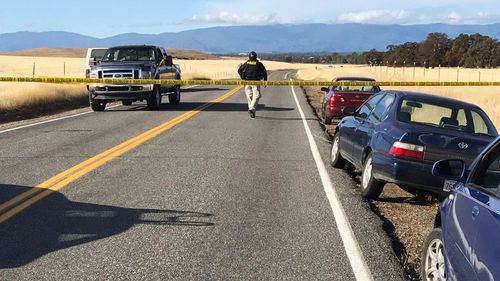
column 336, row 160
column 326, row 119
column 370, row 187
column 433, row 268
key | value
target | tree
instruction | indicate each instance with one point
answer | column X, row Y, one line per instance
column 434, row 49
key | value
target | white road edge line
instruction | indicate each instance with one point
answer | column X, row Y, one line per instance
column 61, row 118
column 351, row 246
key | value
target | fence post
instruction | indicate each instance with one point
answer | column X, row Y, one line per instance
column 479, row 75
column 439, row 73
column 33, row 69
column 64, row 69
column 458, row 73
column 424, row 67
column 414, row 68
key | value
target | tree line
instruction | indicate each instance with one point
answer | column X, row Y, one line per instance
column 471, row 51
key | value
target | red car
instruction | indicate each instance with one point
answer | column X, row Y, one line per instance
column 339, row 97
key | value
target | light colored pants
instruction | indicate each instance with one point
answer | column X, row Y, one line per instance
column 253, row 96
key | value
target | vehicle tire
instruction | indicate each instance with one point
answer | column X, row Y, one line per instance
column 175, row 98
column 126, row 102
column 154, row 100
column 432, row 257
column 336, row 160
column 326, row 119
column 370, row 187
column 96, row 105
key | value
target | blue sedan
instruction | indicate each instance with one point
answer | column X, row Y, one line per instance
column 397, row 137
column 465, row 243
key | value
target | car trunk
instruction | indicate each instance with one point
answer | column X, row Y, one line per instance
column 442, row 143
column 354, row 99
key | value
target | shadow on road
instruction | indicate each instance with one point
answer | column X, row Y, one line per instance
column 57, row 223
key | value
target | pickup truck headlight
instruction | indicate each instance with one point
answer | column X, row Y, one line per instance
column 146, row 74
column 93, row 74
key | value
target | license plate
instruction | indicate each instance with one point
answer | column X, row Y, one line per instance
column 448, row 185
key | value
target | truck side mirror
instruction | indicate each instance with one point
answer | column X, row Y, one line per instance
column 169, row 61
column 94, row 60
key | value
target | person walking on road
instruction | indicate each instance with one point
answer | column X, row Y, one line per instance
column 252, row 70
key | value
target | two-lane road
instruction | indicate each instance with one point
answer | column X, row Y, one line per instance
column 185, row 193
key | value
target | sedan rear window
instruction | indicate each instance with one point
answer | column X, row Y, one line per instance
column 447, row 116
column 365, row 89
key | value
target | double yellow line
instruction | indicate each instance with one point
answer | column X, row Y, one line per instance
column 28, row 198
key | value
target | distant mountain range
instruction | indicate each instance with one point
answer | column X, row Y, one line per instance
column 268, row 38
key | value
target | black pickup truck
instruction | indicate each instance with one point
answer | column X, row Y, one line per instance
column 134, row 62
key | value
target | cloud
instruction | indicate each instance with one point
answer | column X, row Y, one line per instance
column 453, row 17
column 477, row 18
column 375, row 16
column 234, row 18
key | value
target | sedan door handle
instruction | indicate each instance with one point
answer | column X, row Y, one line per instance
column 475, row 212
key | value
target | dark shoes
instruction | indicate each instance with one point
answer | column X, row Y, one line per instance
column 252, row 113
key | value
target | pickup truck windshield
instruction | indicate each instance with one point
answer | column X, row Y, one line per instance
column 130, row 54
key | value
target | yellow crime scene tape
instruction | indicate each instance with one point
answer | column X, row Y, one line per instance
column 87, row 81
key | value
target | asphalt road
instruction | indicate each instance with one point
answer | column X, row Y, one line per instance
column 219, row 196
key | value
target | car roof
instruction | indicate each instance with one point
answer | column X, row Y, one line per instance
column 134, row 46
column 431, row 97
column 354, row 78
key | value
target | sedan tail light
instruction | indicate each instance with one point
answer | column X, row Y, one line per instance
column 332, row 100
column 401, row 149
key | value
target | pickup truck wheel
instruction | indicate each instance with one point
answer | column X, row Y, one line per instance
column 96, row 105
column 154, row 100
column 126, row 102
column 175, row 98
column 370, row 187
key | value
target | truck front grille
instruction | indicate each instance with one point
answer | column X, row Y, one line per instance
column 119, row 74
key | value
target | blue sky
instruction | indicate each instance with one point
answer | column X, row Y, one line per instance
column 111, row 17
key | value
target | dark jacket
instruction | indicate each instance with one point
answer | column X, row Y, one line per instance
column 253, row 70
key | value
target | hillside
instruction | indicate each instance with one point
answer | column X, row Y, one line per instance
column 268, row 38
column 81, row 52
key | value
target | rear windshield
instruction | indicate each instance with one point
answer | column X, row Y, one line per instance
column 367, row 89
column 130, row 54
column 453, row 116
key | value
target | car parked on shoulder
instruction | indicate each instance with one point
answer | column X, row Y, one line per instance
column 465, row 241
column 397, row 136
column 339, row 97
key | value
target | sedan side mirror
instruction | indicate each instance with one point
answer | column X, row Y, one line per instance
column 349, row 111
column 324, row 89
column 450, row 169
